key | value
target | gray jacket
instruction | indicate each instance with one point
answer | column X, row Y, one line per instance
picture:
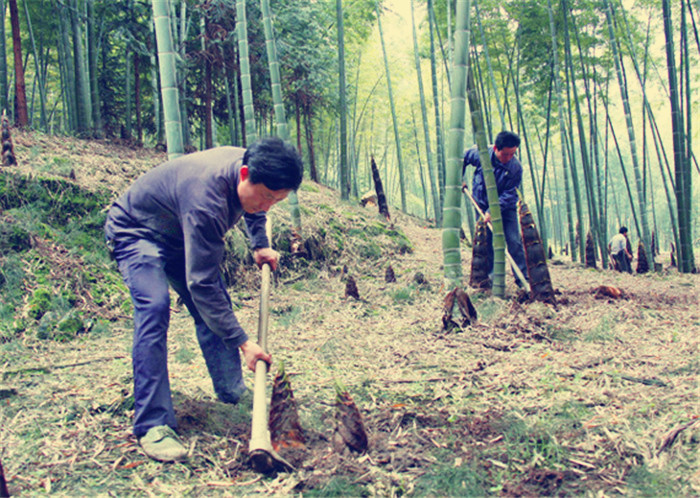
column 186, row 205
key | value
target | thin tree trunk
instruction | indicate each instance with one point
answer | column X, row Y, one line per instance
column 82, row 84
column 38, row 73
column 98, row 125
column 641, row 194
column 168, row 79
column 280, row 115
column 244, row 62
column 397, row 137
column 562, row 131
column 21, row 114
column 3, row 58
column 137, row 98
column 424, row 115
column 436, row 108
column 343, row 166
column 686, row 260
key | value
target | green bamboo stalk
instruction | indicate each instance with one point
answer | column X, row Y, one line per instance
column 498, row 239
column 280, row 115
column 686, row 260
column 38, row 73
column 343, row 166
column 92, row 43
column 397, row 137
column 168, row 79
column 424, row 114
column 438, row 121
column 641, row 194
column 82, row 85
column 587, row 170
column 250, row 128
column 562, row 131
column 3, row 58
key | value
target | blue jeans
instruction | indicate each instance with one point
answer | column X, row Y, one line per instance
column 148, row 269
column 514, row 242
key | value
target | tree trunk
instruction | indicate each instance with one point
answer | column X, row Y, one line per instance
column 82, row 85
column 168, row 79
column 426, row 127
column 98, row 125
column 137, row 99
column 440, row 166
column 397, row 137
column 343, row 166
column 21, row 114
column 451, row 215
column 686, row 260
column 280, row 115
column 3, row 59
column 244, row 63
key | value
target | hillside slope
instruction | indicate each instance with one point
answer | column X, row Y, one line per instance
column 592, row 395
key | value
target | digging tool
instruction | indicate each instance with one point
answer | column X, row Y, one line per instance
column 515, row 267
column 263, row 457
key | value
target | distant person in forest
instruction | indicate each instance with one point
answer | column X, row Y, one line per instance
column 508, row 172
column 619, row 251
column 168, row 229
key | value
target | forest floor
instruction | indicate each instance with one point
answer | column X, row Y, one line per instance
column 593, row 395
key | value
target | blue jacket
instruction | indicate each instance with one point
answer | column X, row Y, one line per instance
column 187, row 205
column 508, row 179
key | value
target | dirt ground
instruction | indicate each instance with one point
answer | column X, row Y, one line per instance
column 592, row 396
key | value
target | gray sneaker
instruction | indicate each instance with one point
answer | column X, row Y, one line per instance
column 162, row 444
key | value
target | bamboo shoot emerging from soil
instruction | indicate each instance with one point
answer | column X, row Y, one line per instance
column 457, row 299
column 349, row 429
column 379, row 188
column 351, row 288
column 479, row 277
column 285, row 429
column 3, row 485
column 642, row 261
column 590, row 251
column 540, row 283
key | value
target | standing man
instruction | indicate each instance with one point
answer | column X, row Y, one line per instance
column 619, row 251
column 168, row 229
column 508, row 173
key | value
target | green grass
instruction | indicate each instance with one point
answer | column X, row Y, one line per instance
column 338, row 486
column 448, row 479
column 602, row 332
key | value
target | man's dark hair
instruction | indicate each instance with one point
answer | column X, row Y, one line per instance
column 507, row 139
column 274, row 163
column 623, row 229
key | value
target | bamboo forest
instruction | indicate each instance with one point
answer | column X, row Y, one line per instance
column 349, row 247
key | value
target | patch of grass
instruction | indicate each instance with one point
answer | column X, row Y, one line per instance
column 488, row 309
column 602, row 332
column 184, row 355
column 448, row 479
column 564, row 334
column 404, row 295
column 287, row 316
column 308, row 187
column 60, row 166
column 643, row 481
column 338, row 486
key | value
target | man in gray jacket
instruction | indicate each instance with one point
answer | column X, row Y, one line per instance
column 168, row 229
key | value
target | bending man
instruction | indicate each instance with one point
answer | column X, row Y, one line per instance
column 168, row 229
column 508, row 173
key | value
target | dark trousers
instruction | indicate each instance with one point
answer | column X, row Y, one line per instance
column 514, row 243
column 622, row 262
column 148, row 270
